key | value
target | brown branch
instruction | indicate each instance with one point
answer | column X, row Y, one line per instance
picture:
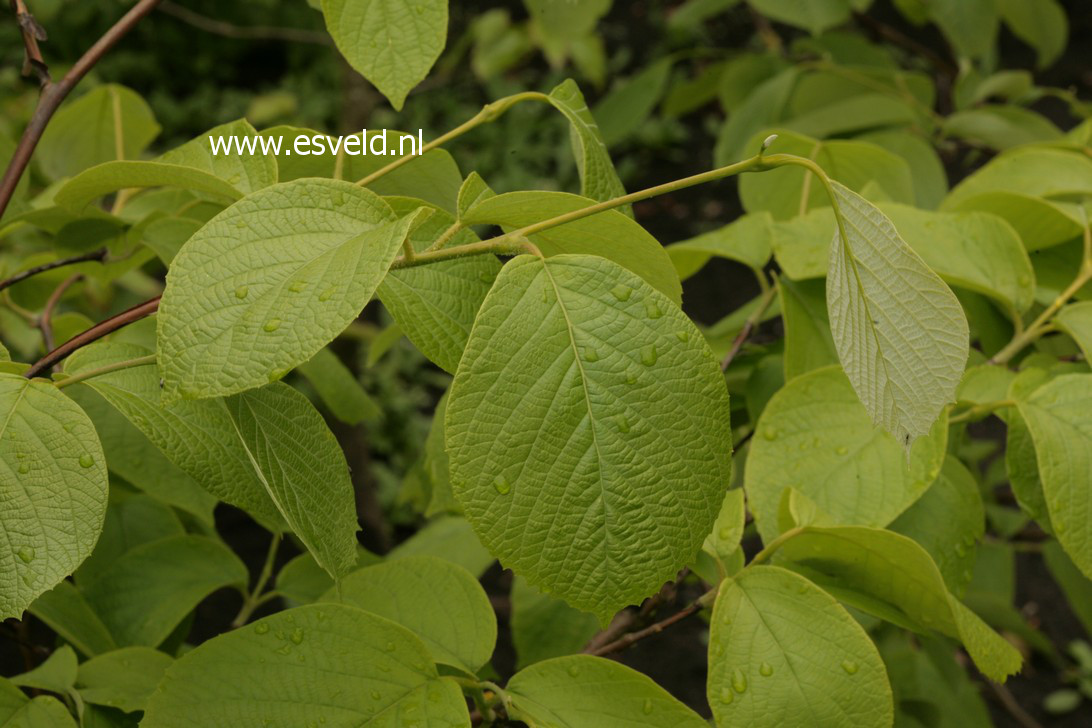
column 94, row 333
column 749, row 326
column 98, row 255
column 633, row 637
column 252, row 32
column 54, row 93
column 45, row 321
column 32, row 33
column 1013, row 708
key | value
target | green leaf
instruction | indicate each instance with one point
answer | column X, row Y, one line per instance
column 1059, row 418
column 227, row 324
column 746, row 241
column 85, row 132
column 859, row 112
column 41, row 712
column 144, row 595
column 790, row 191
column 391, row 43
column 544, row 627
column 53, row 489
column 802, row 245
column 972, row 250
column 1041, row 24
column 448, row 537
column 931, row 688
column 1039, row 222
column 638, row 448
column 435, row 305
column 339, row 389
column 816, row 437
column 970, row 25
column 926, row 168
column 122, row 679
column 66, row 611
column 1001, row 127
column 441, row 603
column 166, row 236
column 784, row 652
column 1075, row 585
column 473, row 190
column 246, row 172
column 808, row 341
column 608, row 234
column 565, row 691
column 303, row 581
column 86, row 187
column 948, row 521
column 598, row 178
column 814, row 16
column 892, row 577
column 901, row 334
column 437, row 465
column 629, row 104
column 57, row 674
column 1076, row 320
column 131, row 521
column 760, row 110
column 11, row 700
column 356, row 669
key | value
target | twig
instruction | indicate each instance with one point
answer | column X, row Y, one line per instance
column 32, row 33
column 98, row 255
column 255, row 598
column 749, row 325
column 633, row 637
column 627, row 619
column 253, row 32
column 94, row 333
column 45, row 321
column 1008, row 702
column 54, row 93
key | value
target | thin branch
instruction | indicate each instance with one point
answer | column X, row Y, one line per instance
column 98, row 255
column 1008, row 702
column 32, row 33
column 750, row 324
column 54, row 93
column 252, row 32
column 45, row 321
column 255, row 598
column 632, row 638
column 93, row 334
column 141, row 361
column 894, row 36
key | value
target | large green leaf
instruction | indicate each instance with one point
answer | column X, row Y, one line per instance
column 608, row 234
column 270, row 281
column 57, row 674
column 790, row 191
column 598, row 178
column 972, row 250
column 901, row 334
column 1076, row 320
column 1040, row 223
column 247, row 171
column 1001, row 126
column 391, row 43
column 544, row 626
column 122, row 679
column 53, row 489
column 86, row 187
column 438, row 601
column 41, row 712
column 1042, row 24
column 66, row 611
column 568, row 692
column 892, row 577
column 816, row 437
column 85, row 132
column 783, row 652
column 327, row 664
column 143, row 595
column 585, row 388
column 1059, row 417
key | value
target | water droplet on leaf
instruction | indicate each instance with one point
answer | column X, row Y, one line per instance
column 261, row 628
column 590, row 354
column 647, row 707
column 649, row 355
column 739, row 680
column 621, row 292
column 683, row 336
column 297, row 635
column 86, row 460
column 502, row 485
column 26, row 554
column 241, row 292
column 653, row 310
column 850, row 667
column 271, row 325
column 765, row 669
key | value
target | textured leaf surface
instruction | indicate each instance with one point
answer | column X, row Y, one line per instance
column 576, row 691
column 143, row 595
column 784, row 652
column 544, row 626
column 357, row 669
column 122, row 679
column 270, row 281
column 816, row 437
column 588, row 431
column 52, row 487
column 901, row 334
column 441, row 603
column 391, row 43
column 891, row 576
column 609, row 234
column 1059, row 418
column 598, row 178
column 86, row 187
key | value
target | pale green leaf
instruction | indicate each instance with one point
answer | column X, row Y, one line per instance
column 808, row 341
column 932, row 689
column 584, row 387
column 1059, row 418
column 438, row 601
column 948, row 521
column 1041, row 24
column 247, row 172
column 892, row 577
column 901, row 334
column 357, row 669
column 926, row 167
column 339, row 389
column 598, row 178
column 1040, row 223
column 41, row 712
column 723, row 541
column 53, row 489
column 91, row 184
column 970, row 25
column 1034, row 171
column 746, row 241
column 143, row 595
column 859, row 112
column 391, row 43
column 567, row 692
column 122, row 679
column 759, row 110
column 57, row 674
column 85, row 131
column 544, row 626
column 608, row 234
column 972, row 250
column 131, row 521
column 228, row 324
column 814, row 16
column 448, row 537
column 473, row 190
column 1001, row 126
column 783, row 652
column 802, row 244
column 816, row 437
column 627, row 107
column 11, row 700
column 1076, row 320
